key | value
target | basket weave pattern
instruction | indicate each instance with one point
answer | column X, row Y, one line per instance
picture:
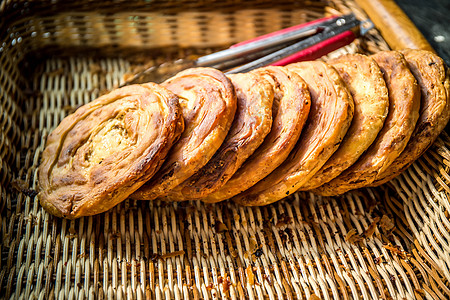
column 387, row 242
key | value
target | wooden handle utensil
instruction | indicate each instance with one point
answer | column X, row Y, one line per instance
column 394, row 25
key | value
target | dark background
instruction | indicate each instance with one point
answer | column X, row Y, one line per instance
column 432, row 17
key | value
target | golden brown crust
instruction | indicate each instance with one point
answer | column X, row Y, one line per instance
column 329, row 119
column 290, row 110
column 252, row 122
column 366, row 84
column 404, row 102
column 107, row 149
column 208, row 103
column 433, row 79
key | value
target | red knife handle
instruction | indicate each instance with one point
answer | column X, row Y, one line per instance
column 285, row 30
column 319, row 49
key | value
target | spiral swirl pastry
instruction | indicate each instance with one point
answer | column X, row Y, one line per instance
column 107, row 149
column 251, row 124
column 404, row 101
column 208, row 102
column 366, row 84
column 328, row 121
column 433, row 78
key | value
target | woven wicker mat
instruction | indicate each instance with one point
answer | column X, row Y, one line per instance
column 387, row 242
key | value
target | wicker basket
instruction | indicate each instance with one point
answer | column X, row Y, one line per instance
column 387, row 242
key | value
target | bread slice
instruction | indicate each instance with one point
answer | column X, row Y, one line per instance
column 329, row 119
column 252, row 122
column 404, row 100
column 433, row 79
column 365, row 82
column 107, row 149
column 290, row 110
column 208, row 103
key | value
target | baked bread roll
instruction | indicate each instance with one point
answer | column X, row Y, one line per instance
column 329, row 119
column 107, row 149
column 404, row 101
column 290, row 110
column 433, row 79
column 366, row 84
column 208, row 104
column 252, row 122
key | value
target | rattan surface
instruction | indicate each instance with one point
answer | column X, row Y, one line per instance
column 386, row 242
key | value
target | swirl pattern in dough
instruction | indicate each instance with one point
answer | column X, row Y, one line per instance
column 433, row 78
column 404, row 101
column 208, row 102
column 329, row 119
column 252, row 122
column 365, row 82
column 107, row 149
column 290, row 110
